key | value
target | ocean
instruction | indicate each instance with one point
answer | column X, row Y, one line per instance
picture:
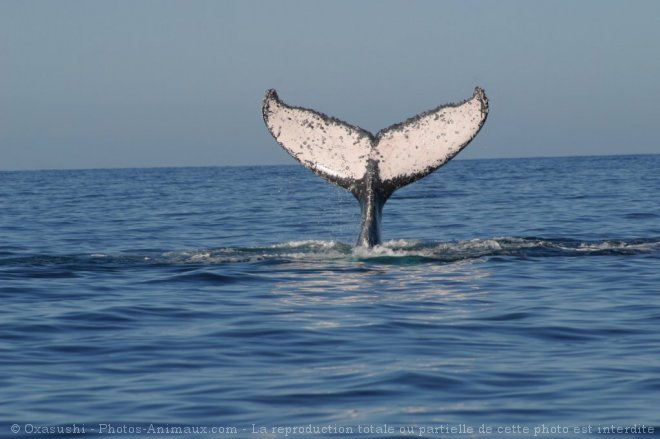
column 511, row 298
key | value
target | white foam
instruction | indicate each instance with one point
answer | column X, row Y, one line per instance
column 618, row 245
column 449, row 251
column 401, row 243
column 306, row 243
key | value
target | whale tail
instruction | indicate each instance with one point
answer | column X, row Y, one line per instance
column 371, row 166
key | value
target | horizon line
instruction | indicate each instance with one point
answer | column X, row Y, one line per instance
column 296, row 164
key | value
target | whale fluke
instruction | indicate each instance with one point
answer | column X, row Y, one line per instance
column 371, row 166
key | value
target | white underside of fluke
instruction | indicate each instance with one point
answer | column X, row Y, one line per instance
column 327, row 146
column 404, row 152
column 426, row 142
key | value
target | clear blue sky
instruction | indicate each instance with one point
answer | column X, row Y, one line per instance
column 133, row 83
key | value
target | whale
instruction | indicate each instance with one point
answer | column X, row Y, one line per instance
column 372, row 167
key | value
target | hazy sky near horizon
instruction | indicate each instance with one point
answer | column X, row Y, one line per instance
column 139, row 83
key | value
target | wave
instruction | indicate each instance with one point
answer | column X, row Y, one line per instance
column 390, row 252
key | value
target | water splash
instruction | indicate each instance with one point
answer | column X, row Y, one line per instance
column 399, row 252
column 406, row 251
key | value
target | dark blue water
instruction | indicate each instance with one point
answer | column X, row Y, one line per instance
column 520, row 293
